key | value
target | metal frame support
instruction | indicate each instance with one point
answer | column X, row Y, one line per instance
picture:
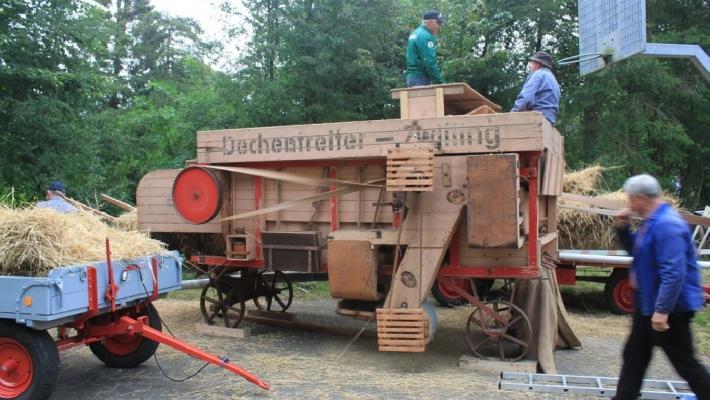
column 129, row 326
column 694, row 52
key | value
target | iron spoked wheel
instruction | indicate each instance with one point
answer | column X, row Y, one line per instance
column 278, row 291
column 220, row 300
column 491, row 337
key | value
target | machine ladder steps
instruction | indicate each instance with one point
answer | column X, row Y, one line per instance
column 591, row 385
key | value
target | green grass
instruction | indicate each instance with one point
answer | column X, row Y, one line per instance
column 311, row 290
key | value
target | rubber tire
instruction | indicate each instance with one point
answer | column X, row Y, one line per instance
column 443, row 299
column 45, row 358
column 617, row 277
column 145, row 349
column 433, row 320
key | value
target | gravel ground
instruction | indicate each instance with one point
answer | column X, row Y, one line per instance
column 304, row 365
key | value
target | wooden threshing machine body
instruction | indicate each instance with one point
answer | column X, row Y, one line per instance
column 485, row 206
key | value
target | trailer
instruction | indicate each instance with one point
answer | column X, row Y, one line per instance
column 384, row 210
column 104, row 305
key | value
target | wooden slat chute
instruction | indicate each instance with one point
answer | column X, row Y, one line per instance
column 410, row 169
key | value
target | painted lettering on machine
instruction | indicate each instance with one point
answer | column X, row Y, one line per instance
column 292, row 144
column 335, row 141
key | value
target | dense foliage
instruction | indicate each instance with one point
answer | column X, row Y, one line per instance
column 97, row 93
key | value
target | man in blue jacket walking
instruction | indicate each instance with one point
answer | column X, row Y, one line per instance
column 668, row 291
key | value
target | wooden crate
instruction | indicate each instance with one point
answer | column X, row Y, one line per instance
column 410, row 169
column 403, row 330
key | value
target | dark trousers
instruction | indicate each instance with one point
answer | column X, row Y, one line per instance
column 676, row 342
column 418, row 81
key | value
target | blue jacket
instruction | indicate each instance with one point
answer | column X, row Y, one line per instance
column 540, row 92
column 57, row 204
column 665, row 264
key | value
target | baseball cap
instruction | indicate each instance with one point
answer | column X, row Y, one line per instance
column 434, row 16
column 57, row 186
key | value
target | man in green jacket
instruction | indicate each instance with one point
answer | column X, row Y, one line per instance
column 421, row 52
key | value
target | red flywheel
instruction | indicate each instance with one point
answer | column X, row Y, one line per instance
column 197, row 195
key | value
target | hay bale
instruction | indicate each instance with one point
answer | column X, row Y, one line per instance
column 583, row 230
column 127, row 221
column 33, row 241
column 585, row 181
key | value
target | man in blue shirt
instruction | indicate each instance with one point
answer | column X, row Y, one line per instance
column 668, row 290
column 540, row 92
column 54, row 201
column 422, row 68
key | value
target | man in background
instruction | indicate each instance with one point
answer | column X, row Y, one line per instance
column 422, row 68
column 540, row 92
column 668, row 292
column 54, row 201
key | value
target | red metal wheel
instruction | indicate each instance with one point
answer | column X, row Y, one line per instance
column 197, row 195
column 447, row 297
column 123, row 344
column 624, row 295
column 16, row 369
column 463, row 283
column 618, row 293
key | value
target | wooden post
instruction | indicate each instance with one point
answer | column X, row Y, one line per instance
column 439, row 102
column 404, row 105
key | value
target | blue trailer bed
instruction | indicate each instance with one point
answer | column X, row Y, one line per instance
column 46, row 302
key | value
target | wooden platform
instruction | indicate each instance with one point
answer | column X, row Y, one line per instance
column 451, row 99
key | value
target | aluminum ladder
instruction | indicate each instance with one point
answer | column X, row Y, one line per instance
column 591, row 385
column 701, row 233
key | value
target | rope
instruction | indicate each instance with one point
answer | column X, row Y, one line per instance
column 155, row 356
column 356, row 337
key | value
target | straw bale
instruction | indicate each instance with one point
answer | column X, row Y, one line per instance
column 584, row 230
column 127, row 221
column 33, row 241
column 585, row 181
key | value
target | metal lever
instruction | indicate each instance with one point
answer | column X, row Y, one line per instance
column 396, row 204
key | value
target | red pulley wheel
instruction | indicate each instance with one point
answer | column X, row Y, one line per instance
column 197, row 195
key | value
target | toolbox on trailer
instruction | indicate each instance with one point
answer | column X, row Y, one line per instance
column 45, row 302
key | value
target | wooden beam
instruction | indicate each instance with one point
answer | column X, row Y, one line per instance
column 86, row 208
column 116, row 202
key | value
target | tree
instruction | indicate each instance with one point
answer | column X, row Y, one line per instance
column 50, row 80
